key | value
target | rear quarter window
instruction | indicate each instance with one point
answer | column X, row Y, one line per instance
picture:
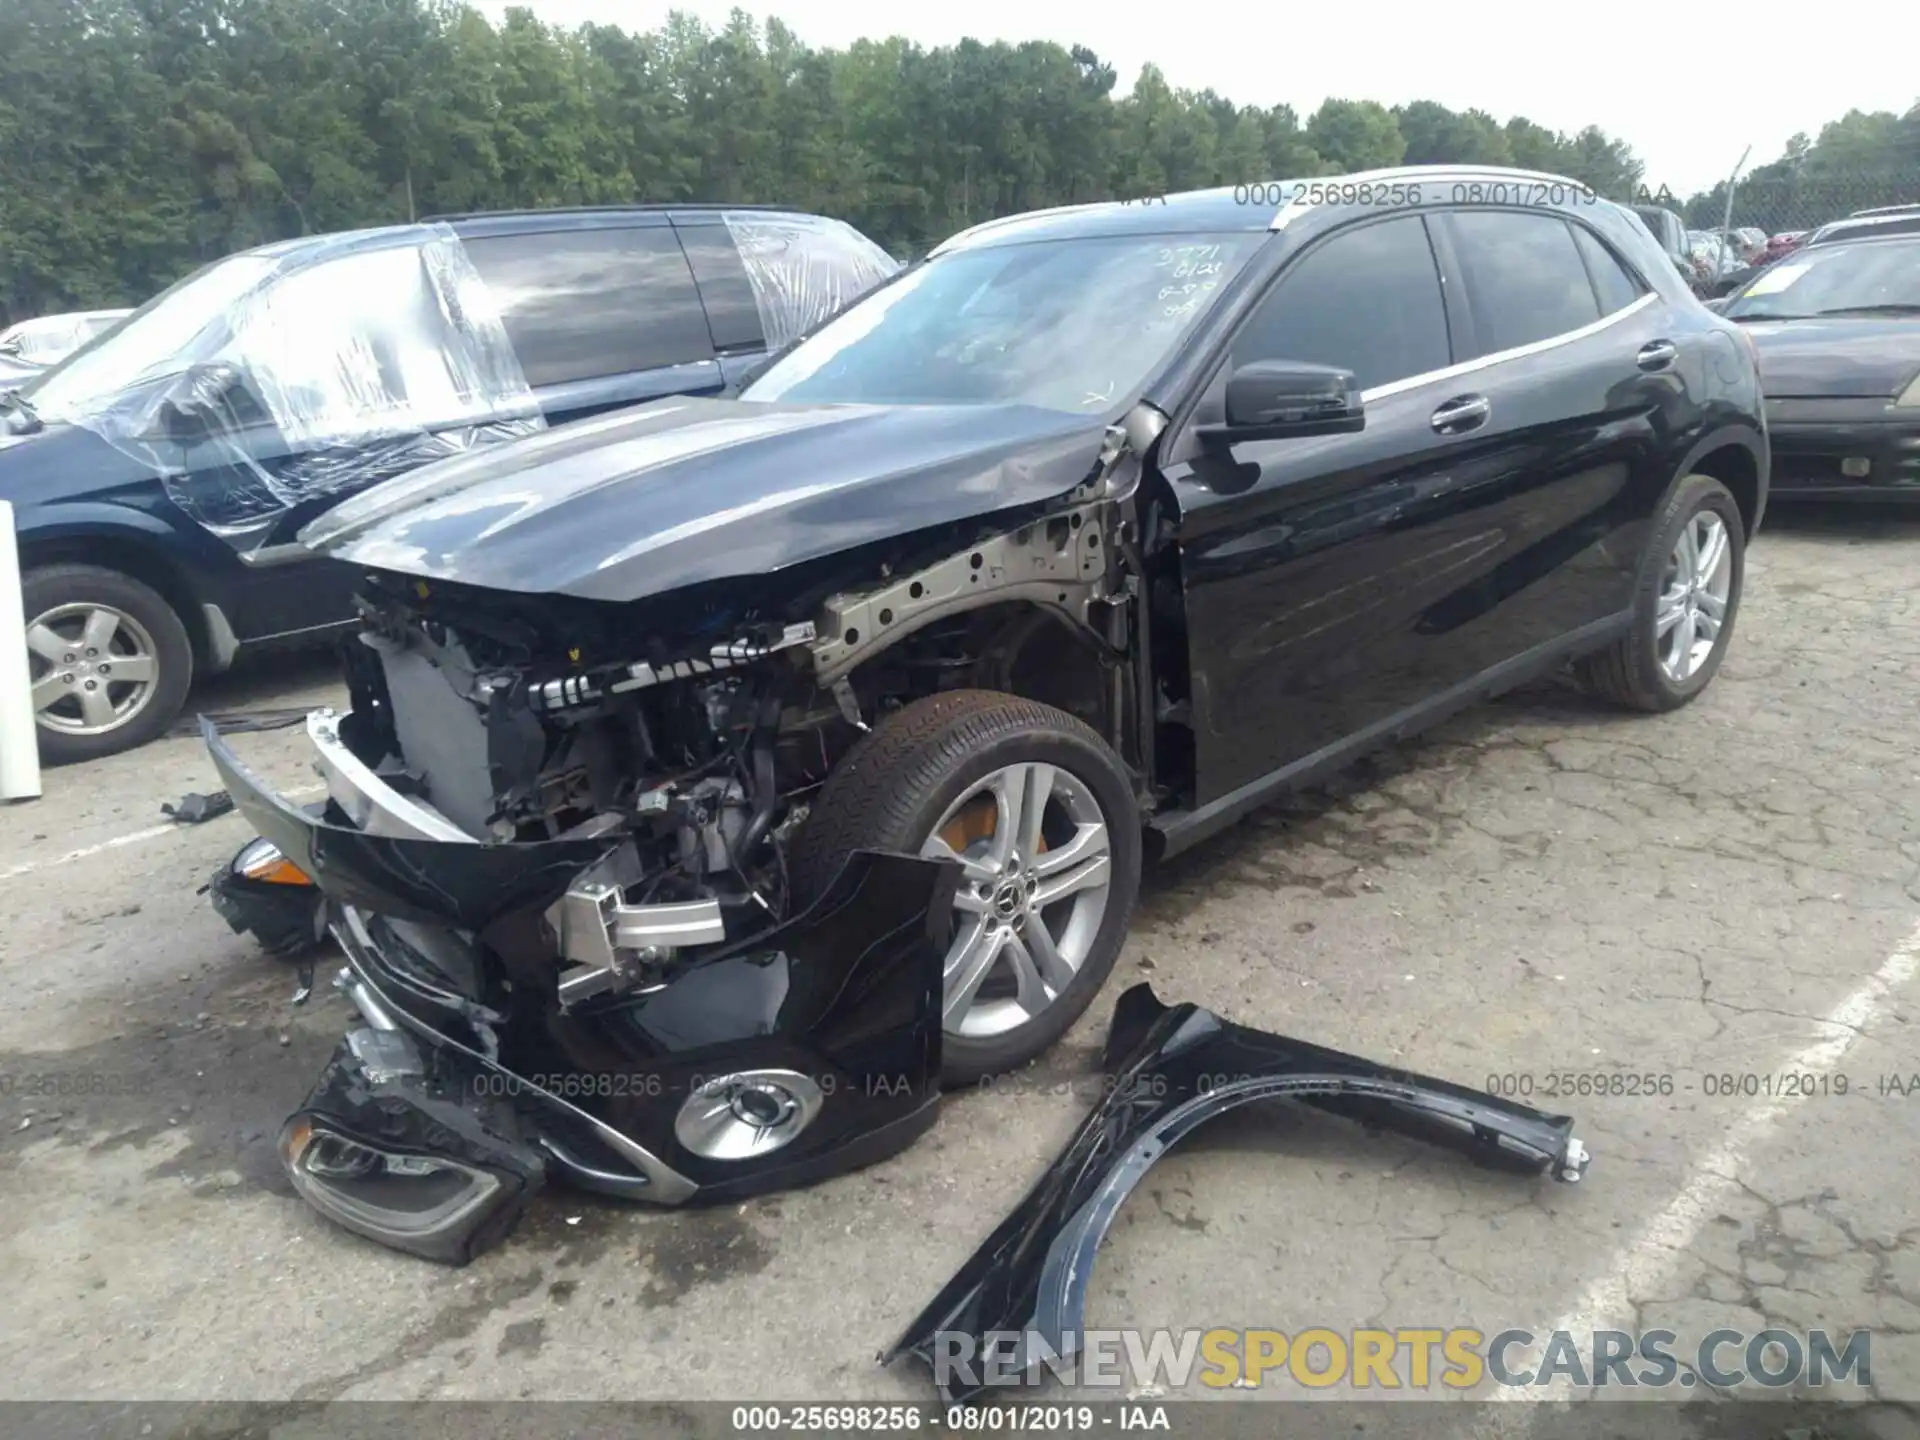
column 804, row 269
column 732, row 313
column 1616, row 286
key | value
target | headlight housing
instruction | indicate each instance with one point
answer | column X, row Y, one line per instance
column 413, row 1151
column 396, row 1198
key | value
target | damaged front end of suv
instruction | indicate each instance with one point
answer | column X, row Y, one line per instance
column 720, row 776
column 565, row 847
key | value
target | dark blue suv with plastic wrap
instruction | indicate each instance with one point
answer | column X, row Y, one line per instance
column 160, row 475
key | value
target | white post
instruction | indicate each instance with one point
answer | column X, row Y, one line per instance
column 19, row 737
column 1726, row 220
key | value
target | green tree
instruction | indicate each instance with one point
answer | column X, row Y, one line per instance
column 1356, row 135
column 140, row 138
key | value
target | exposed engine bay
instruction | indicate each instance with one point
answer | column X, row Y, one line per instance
column 696, row 744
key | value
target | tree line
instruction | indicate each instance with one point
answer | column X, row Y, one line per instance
column 141, row 138
column 1863, row 159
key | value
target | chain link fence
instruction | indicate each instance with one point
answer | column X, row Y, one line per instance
column 1765, row 205
column 1779, row 204
column 1803, row 202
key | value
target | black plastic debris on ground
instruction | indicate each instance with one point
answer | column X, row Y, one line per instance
column 196, row 809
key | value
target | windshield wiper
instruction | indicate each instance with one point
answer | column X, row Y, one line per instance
column 1767, row 315
column 1891, row 309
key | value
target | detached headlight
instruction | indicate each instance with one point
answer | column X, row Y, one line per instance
column 398, row 1199
column 1911, row 395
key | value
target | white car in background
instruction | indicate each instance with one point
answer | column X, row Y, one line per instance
column 32, row 346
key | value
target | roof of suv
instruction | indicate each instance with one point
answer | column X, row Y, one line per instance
column 480, row 223
column 548, row 212
column 593, row 217
column 1263, row 205
column 1854, row 227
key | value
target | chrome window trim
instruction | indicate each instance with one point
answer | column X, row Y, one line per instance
column 1468, row 367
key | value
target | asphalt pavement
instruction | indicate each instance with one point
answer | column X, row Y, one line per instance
column 1544, row 888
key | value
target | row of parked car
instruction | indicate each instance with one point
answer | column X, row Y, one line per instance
column 1717, row 262
column 163, row 472
column 163, row 469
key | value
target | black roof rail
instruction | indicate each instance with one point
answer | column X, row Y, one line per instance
column 637, row 208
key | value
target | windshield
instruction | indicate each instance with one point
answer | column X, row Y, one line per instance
column 1881, row 275
column 151, row 342
column 1073, row 325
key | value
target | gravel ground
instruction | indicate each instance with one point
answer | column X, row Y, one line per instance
column 1542, row 886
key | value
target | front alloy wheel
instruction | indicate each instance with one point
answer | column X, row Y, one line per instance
column 1040, row 816
column 108, row 660
column 1033, row 847
column 92, row 667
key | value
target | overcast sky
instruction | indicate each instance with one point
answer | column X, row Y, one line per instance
column 1687, row 85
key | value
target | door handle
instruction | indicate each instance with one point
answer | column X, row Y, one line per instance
column 1462, row 413
column 1656, row 355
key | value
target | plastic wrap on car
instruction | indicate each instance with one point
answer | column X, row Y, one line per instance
column 352, row 360
column 804, row 268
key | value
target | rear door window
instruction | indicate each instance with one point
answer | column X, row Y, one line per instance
column 1367, row 300
column 1524, row 277
column 584, row 304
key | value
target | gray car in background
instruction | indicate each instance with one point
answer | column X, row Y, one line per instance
column 32, row 346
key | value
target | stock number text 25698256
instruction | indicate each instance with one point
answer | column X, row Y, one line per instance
column 1416, row 192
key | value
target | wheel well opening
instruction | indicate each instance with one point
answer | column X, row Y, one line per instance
column 1733, row 466
column 129, row 558
column 1014, row 646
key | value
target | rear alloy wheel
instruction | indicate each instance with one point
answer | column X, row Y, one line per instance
column 1685, row 601
column 108, row 660
column 1039, row 814
column 1694, row 589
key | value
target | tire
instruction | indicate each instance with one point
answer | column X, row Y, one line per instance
column 147, row 639
column 907, row 778
column 1635, row 670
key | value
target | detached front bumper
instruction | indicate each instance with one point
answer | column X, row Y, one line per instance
column 1846, row 449
column 804, row 1052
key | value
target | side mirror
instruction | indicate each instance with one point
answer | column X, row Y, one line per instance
column 1282, row 399
column 193, row 407
column 1717, row 306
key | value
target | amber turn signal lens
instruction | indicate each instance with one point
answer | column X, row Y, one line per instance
column 277, row 871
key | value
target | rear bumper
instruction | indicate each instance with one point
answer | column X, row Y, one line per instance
column 1844, row 450
column 803, row 1052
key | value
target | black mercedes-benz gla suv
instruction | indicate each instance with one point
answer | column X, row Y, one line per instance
column 1088, row 534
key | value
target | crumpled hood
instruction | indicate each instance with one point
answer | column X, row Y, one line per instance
column 1863, row 356
column 686, row 490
